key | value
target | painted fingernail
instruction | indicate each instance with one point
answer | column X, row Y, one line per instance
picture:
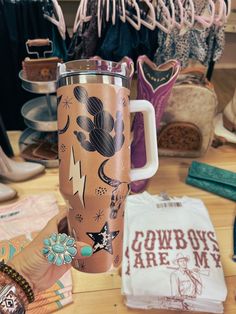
column 86, row 251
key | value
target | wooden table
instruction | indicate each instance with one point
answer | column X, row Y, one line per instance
column 100, row 294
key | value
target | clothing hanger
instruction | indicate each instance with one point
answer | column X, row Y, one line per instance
column 122, row 7
column 159, row 4
column 100, row 9
column 77, row 17
column 225, row 12
column 179, row 25
column 114, row 12
column 207, row 21
column 172, row 14
column 84, row 9
column 107, row 2
column 57, row 19
column 133, row 4
column 186, row 14
column 150, row 19
column 228, row 11
column 221, row 17
column 81, row 15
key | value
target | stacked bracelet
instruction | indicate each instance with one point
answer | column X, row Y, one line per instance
column 16, row 277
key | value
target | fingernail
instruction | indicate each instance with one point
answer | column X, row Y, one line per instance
column 86, row 251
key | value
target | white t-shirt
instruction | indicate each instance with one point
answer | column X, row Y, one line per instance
column 171, row 252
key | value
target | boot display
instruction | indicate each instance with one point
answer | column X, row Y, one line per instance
column 154, row 84
column 18, row 171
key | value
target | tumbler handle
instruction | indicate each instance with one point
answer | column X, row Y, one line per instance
column 152, row 163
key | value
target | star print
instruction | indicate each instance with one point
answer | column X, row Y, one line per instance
column 103, row 239
column 67, row 102
column 98, row 215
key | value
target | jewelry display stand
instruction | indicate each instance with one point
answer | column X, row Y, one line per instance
column 40, row 116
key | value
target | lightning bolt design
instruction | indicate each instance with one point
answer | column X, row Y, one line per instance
column 75, row 175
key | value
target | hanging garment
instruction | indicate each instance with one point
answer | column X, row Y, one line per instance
column 171, row 257
column 122, row 39
column 85, row 40
column 197, row 43
column 59, row 33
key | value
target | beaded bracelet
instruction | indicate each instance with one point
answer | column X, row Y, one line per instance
column 17, row 278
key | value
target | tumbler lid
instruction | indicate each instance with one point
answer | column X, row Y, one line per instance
column 92, row 71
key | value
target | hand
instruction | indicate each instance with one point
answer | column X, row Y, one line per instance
column 34, row 266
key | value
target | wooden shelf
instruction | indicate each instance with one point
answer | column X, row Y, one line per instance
column 231, row 23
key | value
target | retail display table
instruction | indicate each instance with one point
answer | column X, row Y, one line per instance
column 101, row 293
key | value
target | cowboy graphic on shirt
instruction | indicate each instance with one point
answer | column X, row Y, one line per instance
column 185, row 282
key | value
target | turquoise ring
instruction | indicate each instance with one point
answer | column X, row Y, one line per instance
column 59, row 249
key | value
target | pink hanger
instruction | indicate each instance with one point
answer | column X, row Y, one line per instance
column 150, row 21
column 179, row 25
column 107, row 4
column 226, row 13
column 151, row 17
column 228, row 8
column 114, row 12
column 166, row 16
column 137, row 25
column 60, row 22
column 221, row 17
column 186, row 14
column 207, row 21
column 85, row 8
column 77, row 18
column 172, row 7
column 122, row 7
column 99, row 18
column 81, row 15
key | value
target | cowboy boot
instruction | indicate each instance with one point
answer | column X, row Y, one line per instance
column 154, row 84
column 229, row 115
column 6, row 193
column 18, row 171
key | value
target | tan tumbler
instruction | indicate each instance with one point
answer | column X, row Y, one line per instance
column 94, row 154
